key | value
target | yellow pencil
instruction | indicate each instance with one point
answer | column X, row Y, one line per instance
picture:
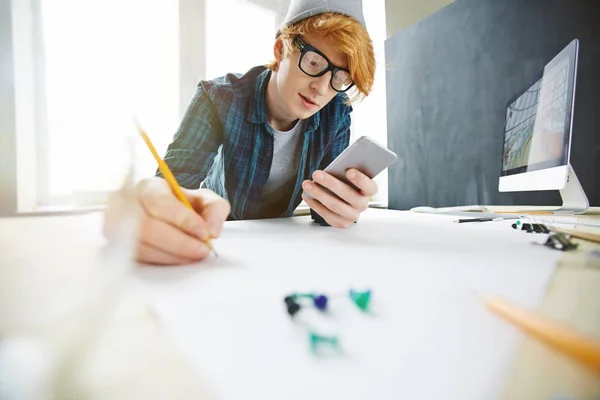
column 167, row 174
column 560, row 337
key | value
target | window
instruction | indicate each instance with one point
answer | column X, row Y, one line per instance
column 237, row 41
column 86, row 68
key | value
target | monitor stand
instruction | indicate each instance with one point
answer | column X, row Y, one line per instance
column 573, row 196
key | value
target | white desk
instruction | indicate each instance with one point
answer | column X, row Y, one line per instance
column 428, row 337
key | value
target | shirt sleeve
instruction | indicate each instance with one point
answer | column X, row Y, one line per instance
column 196, row 142
column 340, row 143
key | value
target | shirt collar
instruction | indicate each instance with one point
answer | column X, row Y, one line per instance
column 258, row 103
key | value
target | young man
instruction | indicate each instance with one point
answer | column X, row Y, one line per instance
column 255, row 141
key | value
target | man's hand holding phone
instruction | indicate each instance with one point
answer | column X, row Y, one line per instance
column 344, row 208
column 343, row 190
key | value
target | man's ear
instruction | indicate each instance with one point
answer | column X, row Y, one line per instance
column 278, row 50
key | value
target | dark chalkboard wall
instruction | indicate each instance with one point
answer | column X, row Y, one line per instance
column 449, row 77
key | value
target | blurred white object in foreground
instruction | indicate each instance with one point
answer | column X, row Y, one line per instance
column 70, row 325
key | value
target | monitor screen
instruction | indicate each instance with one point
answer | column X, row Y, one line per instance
column 537, row 128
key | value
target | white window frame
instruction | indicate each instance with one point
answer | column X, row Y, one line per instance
column 27, row 69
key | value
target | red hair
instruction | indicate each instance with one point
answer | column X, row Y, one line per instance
column 348, row 36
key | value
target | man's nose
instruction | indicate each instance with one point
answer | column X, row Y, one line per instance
column 320, row 84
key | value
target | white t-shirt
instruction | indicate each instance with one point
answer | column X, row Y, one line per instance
column 284, row 170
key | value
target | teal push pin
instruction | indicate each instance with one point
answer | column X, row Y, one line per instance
column 361, row 299
column 316, row 340
column 303, row 295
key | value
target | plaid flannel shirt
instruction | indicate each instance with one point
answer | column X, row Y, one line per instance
column 225, row 143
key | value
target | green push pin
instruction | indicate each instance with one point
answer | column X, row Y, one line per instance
column 316, row 340
column 361, row 299
column 297, row 296
column 303, row 295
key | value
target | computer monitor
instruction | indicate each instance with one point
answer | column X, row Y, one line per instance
column 538, row 131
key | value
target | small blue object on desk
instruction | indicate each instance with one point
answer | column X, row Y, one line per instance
column 320, row 302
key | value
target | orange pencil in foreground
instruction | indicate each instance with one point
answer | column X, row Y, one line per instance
column 560, row 337
column 167, row 174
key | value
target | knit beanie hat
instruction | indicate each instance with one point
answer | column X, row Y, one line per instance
column 302, row 9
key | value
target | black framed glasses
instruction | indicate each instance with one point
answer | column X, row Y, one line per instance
column 314, row 63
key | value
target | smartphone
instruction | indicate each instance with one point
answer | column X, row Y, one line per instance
column 365, row 155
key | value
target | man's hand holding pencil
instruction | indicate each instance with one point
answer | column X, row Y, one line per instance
column 170, row 233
